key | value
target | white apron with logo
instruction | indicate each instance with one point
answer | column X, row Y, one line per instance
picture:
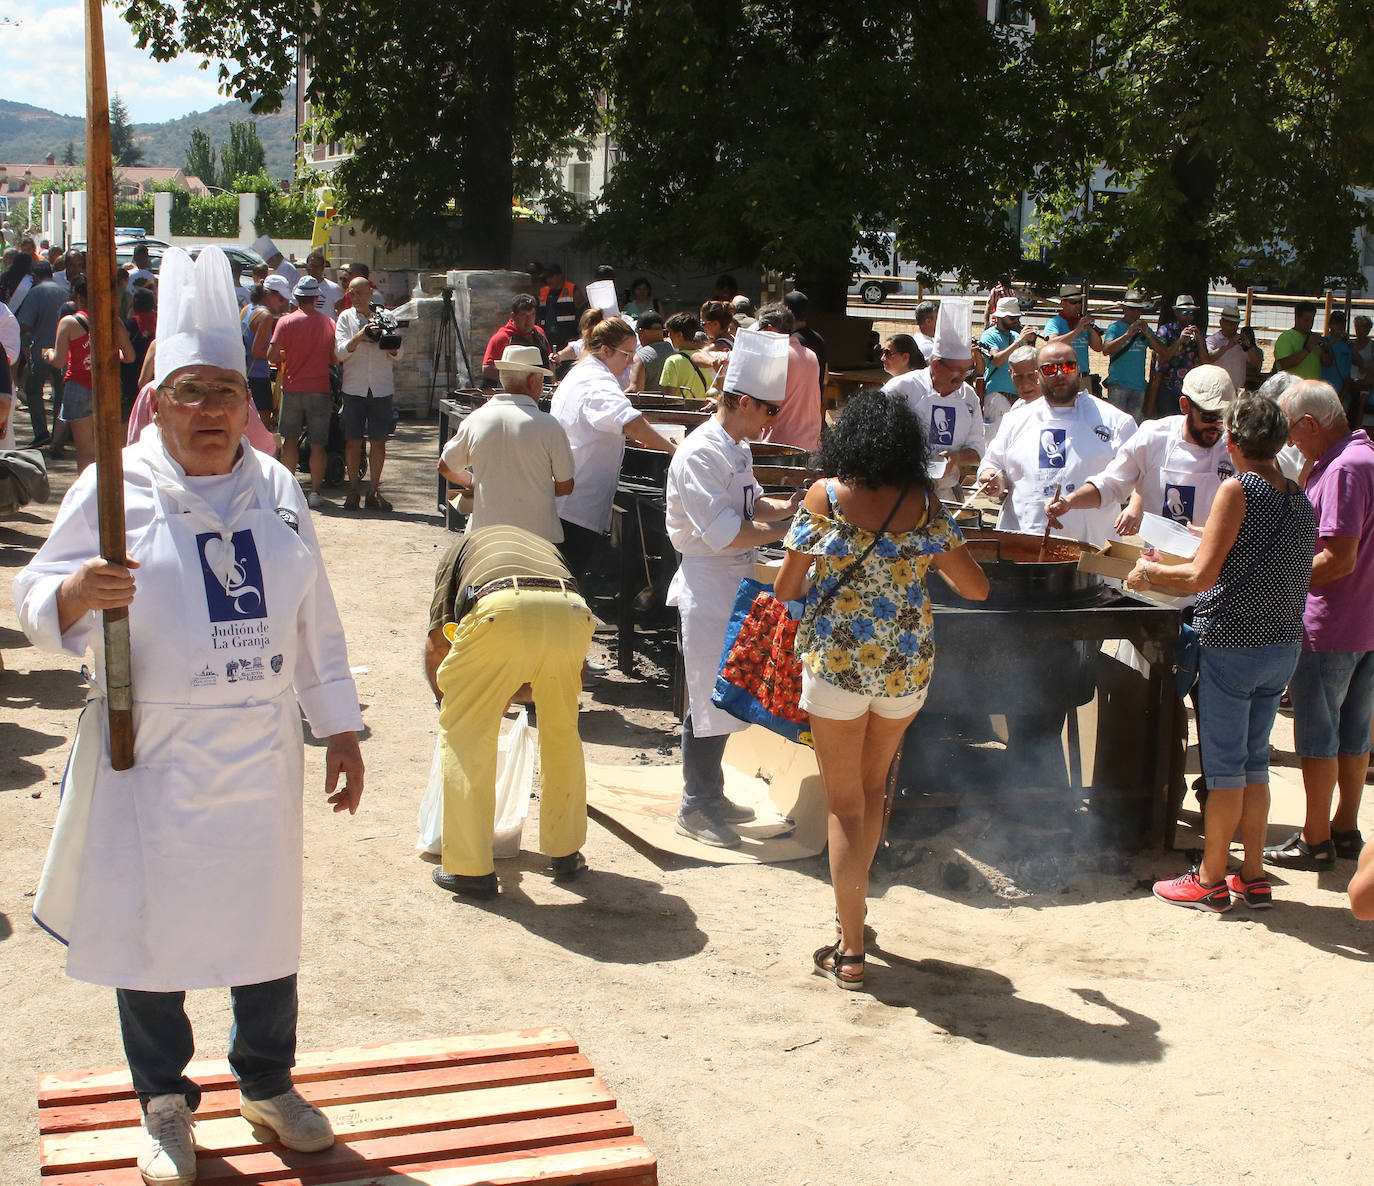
column 1061, row 451
column 1188, row 484
column 185, row 871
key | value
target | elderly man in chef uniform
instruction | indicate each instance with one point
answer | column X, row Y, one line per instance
column 1048, row 448
column 185, row 871
column 947, row 407
column 716, row 514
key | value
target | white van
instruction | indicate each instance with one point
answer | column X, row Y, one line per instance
column 881, row 272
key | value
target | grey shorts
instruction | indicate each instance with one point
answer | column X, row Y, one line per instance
column 310, row 408
column 77, row 401
column 366, row 416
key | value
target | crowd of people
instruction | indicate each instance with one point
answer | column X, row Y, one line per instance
column 1275, row 484
column 318, row 337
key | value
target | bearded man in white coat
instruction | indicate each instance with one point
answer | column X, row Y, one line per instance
column 185, row 871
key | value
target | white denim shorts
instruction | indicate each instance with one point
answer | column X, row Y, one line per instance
column 823, row 699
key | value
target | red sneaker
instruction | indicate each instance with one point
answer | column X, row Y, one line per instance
column 1255, row 894
column 1188, row 890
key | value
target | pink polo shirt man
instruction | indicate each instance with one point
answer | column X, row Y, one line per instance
column 799, row 422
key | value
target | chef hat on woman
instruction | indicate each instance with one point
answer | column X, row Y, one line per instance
column 954, row 329
column 197, row 314
column 758, row 366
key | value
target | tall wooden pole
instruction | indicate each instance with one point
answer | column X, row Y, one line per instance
column 104, row 313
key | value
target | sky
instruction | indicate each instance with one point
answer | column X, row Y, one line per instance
column 39, row 38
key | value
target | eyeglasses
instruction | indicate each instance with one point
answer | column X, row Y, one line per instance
column 195, row 394
column 769, row 409
column 1209, row 417
column 1049, row 369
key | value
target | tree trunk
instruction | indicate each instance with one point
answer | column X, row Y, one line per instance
column 1194, row 173
column 826, row 284
column 487, row 164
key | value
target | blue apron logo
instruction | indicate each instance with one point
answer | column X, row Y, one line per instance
column 1052, row 448
column 232, row 574
column 942, row 426
column 1178, row 503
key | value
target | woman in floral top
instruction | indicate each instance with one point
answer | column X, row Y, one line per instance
column 865, row 639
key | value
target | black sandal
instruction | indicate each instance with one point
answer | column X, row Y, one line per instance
column 830, row 964
column 1296, row 853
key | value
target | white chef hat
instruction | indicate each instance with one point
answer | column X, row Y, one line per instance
column 264, row 246
column 758, row 366
column 954, row 329
column 197, row 314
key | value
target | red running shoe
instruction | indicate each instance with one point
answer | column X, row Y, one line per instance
column 1188, row 890
column 1255, row 894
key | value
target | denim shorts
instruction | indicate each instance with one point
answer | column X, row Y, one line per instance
column 1238, row 699
column 77, row 401
column 1130, row 400
column 310, row 409
column 823, row 699
column 1333, row 703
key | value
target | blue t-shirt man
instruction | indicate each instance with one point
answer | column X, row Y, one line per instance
column 998, row 378
column 1127, row 367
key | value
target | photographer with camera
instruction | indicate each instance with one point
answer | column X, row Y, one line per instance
column 365, row 343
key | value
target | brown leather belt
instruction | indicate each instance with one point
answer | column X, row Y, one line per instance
column 525, row 583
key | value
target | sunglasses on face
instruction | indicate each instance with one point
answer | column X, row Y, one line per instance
column 1049, row 369
column 770, row 409
column 1210, row 417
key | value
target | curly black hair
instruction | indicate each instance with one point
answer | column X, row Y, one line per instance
column 877, row 441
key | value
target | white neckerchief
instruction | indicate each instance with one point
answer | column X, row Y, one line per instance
column 170, row 479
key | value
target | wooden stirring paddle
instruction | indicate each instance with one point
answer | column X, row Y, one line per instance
column 1045, row 539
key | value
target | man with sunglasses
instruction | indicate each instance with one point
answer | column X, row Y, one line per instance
column 1050, row 447
column 1175, row 465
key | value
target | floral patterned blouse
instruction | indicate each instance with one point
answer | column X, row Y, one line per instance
column 873, row 637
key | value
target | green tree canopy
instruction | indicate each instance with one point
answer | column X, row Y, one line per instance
column 200, row 157
column 448, row 113
column 1235, row 130
column 122, row 146
column 242, row 154
column 758, row 132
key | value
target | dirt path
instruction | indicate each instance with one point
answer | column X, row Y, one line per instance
column 1083, row 1033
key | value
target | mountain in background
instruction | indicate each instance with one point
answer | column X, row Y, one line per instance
column 28, row 134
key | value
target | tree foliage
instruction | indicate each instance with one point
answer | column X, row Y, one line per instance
column 69, row 153
column 759, row 132
column 242, row 154
column 200, row 157
column 122, row 146
column 448, row 113
column 1236, row 130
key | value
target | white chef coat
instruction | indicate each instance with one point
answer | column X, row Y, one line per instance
column 1176, row 478
column 951, row 422
column 1040, row 446
column 925, row 344
column 996, row 404
column 368, row 367
column 593, row 411
column 710, row 494
column 185, row 871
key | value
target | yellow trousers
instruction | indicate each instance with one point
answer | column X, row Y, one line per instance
column 516, row 636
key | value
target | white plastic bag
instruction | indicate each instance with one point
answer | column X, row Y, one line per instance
column 514, row 781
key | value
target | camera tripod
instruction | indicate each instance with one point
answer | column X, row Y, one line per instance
column 445, row 337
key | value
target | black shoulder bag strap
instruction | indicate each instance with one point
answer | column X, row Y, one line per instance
column 705, row 382
column 843, row 580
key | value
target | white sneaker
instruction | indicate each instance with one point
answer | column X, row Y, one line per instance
column 168, row 1155
column 297, row 1123
column 313, row 500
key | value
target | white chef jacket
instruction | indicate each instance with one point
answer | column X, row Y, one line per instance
column 711, row 493
column 185, row 871
column 593, row 411
column 996, row 404
column 368, row 368
column 1039, row 446
column 1176, row 478
column 952, row 422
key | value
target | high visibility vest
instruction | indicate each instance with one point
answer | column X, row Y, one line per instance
column 562, row 326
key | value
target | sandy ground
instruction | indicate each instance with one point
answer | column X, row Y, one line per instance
column 1080, row 1034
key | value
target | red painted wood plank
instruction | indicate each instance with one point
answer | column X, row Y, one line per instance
column 403, row 1083
column 93, row 1086
column 388, row 1153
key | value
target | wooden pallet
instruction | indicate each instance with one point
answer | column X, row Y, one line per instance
column 493, row 1109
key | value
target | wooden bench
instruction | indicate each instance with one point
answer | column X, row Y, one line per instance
column 507, row 1108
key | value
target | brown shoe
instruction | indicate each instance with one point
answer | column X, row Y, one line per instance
column 353, row 501
column 376, row 502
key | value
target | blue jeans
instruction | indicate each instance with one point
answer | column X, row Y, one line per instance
column 262, row 1040
column 1333, row 703
column 1238, row 698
